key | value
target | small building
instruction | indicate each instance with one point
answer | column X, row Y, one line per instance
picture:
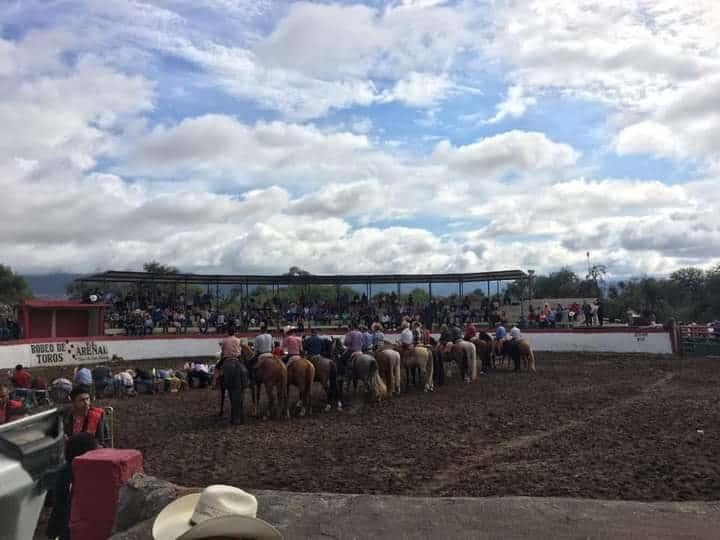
column 61, row 318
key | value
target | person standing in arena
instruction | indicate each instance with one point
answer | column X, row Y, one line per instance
column 82, row 418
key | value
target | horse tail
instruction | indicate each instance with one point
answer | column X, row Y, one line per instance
column 309, row 379
column 333, row 376
column 531, row 357
column 283, row 388
column 472, row 362
column 378, row 385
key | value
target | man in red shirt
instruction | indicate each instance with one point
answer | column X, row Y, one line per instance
column 8, row 407
column 21, row 378
column 83, row 418
column 470, row 332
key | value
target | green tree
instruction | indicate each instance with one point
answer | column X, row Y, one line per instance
column 154, row 267
column 561, row 284
column 13, row 287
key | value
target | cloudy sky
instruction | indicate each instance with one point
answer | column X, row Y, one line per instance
column 402, row 136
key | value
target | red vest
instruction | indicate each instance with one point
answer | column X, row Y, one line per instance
column 92, row 421
column 9, row 406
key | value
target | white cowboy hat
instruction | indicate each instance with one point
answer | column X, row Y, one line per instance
column 222, row 511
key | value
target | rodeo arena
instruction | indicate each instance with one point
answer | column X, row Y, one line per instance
column 377, row 415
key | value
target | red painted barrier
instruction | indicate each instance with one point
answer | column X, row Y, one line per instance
column 97, row 479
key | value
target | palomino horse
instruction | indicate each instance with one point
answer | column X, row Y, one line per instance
column 519, row 350
column 326, row 375
column 465, row 356
column 484, row 347
column 365, row 369
column 301, row 373
column 271, row 372
column 389, row 367
column 422, row 358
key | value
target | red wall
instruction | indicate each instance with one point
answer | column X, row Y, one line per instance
column 41, row 323
column 70, row 323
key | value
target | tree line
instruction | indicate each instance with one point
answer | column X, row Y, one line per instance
column 687, row 295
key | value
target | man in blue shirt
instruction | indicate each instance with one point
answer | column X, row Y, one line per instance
column 500, row 334
column 367, row 340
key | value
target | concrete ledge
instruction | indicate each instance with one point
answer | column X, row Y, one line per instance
column 341, row 516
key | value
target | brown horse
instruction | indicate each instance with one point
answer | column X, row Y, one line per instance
column 326, row 375
column 484, row 347
column 301, row 373
column 271, row 372
column 389, row 367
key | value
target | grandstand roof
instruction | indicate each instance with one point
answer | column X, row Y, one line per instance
column 230, row 279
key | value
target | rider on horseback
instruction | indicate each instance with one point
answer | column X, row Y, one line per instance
column 407, row 339
column 378, row 337
column 313, row 344
column 234, row 374
column 353, row 344
column 470, row 332
column 367, row 340
column 500, row 336
column 292, row 344
column 263, row 345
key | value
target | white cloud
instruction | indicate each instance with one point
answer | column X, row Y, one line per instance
column 420, row 89
column 513, row 151
column 514, row 106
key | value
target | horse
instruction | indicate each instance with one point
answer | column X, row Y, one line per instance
column 365, row 369
column 484, row 346
column 245, row 355
column 326, row 374
column 271, row 372
column 519, row 350
column 420, row 357
column 389, row 367
column 465, row 356
column 301, row 373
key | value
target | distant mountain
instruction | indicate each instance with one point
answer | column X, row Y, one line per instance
column 50, row 286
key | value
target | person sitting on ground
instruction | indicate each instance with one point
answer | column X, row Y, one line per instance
column 22, row 378
column 313, row 344
column 10, row 409
column 83, row 377
column 59, row 522
column 200, row 372
column 292, row 344
column 124, row 383
column 83, row 418
column 219, row 512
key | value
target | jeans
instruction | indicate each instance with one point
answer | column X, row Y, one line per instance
column 235, row 378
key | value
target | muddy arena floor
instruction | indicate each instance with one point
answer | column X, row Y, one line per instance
column 592, row 426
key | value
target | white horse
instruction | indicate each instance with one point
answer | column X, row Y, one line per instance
column 465, row 354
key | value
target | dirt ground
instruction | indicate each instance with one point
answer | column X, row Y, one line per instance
column 592, row 426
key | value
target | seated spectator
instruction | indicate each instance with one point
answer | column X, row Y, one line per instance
column 59, row 522
column 124, row 383
column 21, row 378
column 10, row 409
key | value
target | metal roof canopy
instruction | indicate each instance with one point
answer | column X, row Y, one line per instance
column 228, row 279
